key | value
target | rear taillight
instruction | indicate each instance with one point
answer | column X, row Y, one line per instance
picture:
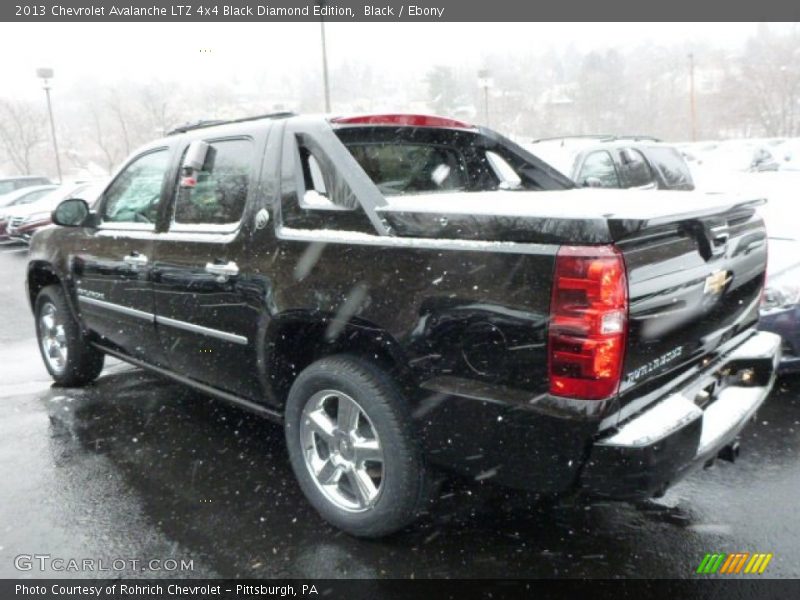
column 588, row 322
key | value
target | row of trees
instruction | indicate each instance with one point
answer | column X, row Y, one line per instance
column 752, row 91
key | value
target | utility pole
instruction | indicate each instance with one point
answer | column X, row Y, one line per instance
column 45, row 74
column 692, row 105
column 324, row 60
column 485, row 82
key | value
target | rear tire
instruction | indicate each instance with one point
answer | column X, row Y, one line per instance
column 350, row 442
column 68, row 356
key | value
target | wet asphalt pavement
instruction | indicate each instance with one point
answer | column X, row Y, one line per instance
column 136, row 467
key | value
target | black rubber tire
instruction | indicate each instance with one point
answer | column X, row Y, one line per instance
column 84, row 362
column 406, row 487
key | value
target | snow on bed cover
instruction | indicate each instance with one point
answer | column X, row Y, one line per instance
column 583, row 203
column 356, row 237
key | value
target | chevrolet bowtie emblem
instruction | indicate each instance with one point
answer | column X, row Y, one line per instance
column 716, row 282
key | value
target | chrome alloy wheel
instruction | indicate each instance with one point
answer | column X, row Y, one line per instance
column 53, row 338
column 342, row 450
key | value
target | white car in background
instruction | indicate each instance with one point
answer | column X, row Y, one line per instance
column 25, row 220
column 19, row 197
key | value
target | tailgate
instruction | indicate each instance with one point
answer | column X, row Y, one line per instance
column 693, row 284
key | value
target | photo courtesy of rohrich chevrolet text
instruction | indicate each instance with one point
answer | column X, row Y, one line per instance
column 399, row 300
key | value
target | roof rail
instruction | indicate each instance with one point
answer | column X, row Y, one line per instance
column 637, row 138
column 600, row 137
column 214, row 122
column 555, row 138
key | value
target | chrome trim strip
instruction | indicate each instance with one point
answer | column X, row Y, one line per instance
column 367, row 239
column 125, row 310
column 223, row 335
column 116, row 226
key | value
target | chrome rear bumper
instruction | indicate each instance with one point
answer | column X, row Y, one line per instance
column 655, row 448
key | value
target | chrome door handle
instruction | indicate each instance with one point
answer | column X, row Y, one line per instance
column 228, row 269
column 135, row 260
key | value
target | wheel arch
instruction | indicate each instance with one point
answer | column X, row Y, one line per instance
column 41, row 274
column 296, row 339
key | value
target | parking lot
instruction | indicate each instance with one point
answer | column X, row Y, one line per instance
column 136, row 467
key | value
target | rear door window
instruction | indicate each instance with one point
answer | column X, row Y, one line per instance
column 635, row 170
column 219, row 194
column 598, row 170
column 672, row 168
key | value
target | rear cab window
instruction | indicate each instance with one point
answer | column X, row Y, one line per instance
column 412, row 167
column 423, row 160
column 337, row 184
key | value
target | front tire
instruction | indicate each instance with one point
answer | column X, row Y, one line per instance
column 350, row 441
column 68, row 356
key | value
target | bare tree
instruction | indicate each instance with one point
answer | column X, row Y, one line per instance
column 22, row 129
column 771, row 80
column 105, row 139
column 121, row 113
column 157, row 102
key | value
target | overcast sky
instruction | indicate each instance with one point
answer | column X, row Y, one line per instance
column 169, row 51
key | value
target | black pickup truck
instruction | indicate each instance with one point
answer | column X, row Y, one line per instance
column 411, row 295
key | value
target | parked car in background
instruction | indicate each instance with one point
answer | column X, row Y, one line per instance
column 616, row 162
column 9, row 184
column 24, row 220
column 787, row 153
column 737, row 155
column 780, row 305
column 25, row 195
column 18, row 198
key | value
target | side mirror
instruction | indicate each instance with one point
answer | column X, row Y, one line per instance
column 196, row 155
column 73, row 212
column 199, row 157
